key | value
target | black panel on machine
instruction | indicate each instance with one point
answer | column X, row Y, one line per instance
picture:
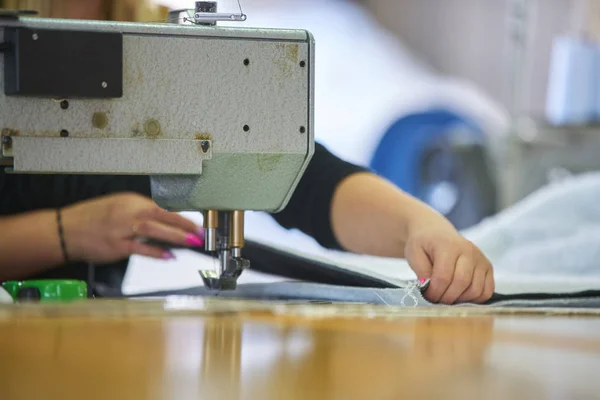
column 63, row 64
column 15, row 14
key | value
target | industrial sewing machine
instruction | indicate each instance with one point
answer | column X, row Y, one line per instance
column 220, row 118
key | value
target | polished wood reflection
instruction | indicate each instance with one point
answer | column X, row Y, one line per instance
column 240, row 350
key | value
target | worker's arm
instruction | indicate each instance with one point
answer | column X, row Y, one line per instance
column 345, row 207
column 371, row 216
column 29, row 244
column 98, row 231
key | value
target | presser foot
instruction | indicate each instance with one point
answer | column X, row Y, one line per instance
column 228, row 279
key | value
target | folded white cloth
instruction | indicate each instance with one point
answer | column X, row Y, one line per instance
column 550, row 239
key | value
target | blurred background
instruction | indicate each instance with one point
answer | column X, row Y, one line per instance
column 468, row 105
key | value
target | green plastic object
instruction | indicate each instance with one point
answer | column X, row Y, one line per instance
column 50, row 290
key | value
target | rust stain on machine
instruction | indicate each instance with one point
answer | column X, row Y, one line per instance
column 99, row 120
column 268, row 162
column 152, row 129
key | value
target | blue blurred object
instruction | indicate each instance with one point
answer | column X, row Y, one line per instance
column 440, row 158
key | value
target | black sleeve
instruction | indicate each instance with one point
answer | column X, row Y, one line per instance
column 309, row 209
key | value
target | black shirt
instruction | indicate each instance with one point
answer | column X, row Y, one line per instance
column 308, row 210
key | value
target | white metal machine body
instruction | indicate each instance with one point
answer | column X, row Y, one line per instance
column 220, row 118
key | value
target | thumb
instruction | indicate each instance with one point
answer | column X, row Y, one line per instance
column 419, row 261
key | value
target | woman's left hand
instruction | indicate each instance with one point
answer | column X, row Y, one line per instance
column 457, row 269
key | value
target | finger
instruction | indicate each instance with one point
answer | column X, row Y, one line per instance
column 488, row 289
column 419, row 261
column 443, row 274
column 143, row 249
column 166, row 233
column 475, row 290
column 463, row 275
column 176, row 220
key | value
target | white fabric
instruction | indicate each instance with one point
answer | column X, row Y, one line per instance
column 551, row 239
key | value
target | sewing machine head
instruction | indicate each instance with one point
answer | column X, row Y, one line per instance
column 220, row 118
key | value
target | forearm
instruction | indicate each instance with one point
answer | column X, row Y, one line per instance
column 371, row 216
column 29, row 243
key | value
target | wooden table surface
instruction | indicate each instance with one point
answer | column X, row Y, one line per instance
column 185, row 348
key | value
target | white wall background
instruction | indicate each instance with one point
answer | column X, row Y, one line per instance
column 471, row 39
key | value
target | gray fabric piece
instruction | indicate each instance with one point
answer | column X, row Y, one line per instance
column 409, row 296
column 310, row 292
column 583, row 302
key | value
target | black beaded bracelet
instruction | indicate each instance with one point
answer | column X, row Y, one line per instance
column 61, row 236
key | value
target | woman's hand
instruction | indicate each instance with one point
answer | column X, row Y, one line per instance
column 109, row 229
column 458, row 270
column 371, row 216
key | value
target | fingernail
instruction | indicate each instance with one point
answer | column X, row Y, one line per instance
column 168, row 255
column 194, row 240
column 422, row 280
column 200, row 233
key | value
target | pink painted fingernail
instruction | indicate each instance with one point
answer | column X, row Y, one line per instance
column 168, row 255
column 422, row 281
column 200, row 233
column 194, row 240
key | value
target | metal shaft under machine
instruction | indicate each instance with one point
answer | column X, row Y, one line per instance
column 224, row 234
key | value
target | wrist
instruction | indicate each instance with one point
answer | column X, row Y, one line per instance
column 61, row 237
column 427, row 218
column 74, row 232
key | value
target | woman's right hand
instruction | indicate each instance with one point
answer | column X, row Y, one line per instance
column 109, row 229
